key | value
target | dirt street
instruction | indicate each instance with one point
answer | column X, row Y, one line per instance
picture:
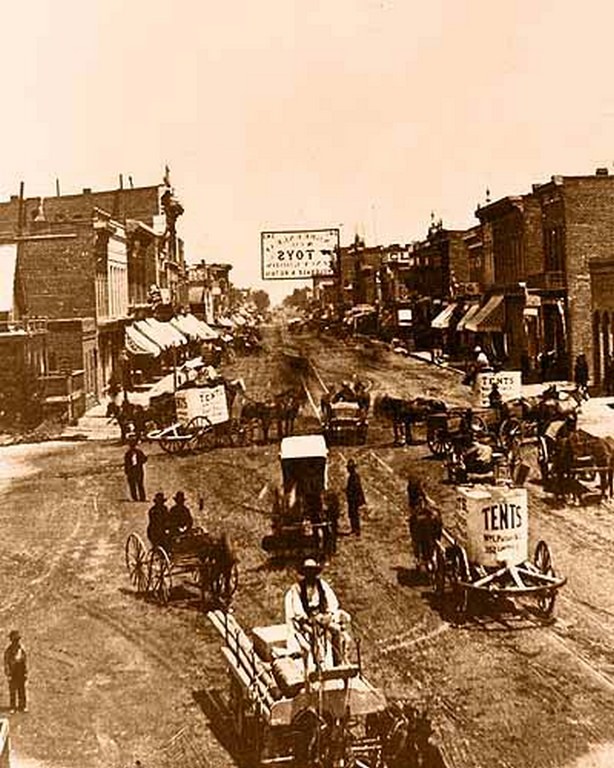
column 115, row 678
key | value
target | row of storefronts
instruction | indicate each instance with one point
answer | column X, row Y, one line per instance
column 532, row 282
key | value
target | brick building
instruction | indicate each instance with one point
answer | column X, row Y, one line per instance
column 88, row 262
column 545, row 263
column 209, row 291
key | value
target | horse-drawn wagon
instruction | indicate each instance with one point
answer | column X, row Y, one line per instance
column 300, row 710
column 196, row 559
column 301, row 524
column 345, row 423
column 201, row 419
column 575, row 461
column 488, row 557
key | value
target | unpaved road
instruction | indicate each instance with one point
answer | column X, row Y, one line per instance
column 115, row 678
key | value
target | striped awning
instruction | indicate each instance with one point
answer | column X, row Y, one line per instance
column 442, row 320
column 471, row 312
column 138, row 344
column 490, row 317
column 194, row 328
column 165, row 335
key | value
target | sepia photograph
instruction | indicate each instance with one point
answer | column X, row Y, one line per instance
column 307, row 384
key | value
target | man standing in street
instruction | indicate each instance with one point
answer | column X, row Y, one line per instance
column 355, row 496
column 134, row 467
column 16, row 671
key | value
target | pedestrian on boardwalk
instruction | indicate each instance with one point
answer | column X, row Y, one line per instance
column 16, row 671
column 609, row 375
column 581, row 373
column 355, row 496
column 134, row 467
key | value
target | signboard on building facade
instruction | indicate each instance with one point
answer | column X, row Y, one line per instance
column 202, row 401
column 508, row 382
column 298, row 254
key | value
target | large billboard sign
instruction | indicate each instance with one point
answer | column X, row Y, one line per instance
column 299, row 254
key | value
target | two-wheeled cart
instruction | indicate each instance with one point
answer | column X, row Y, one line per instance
column 201, row 422
column 489, row 558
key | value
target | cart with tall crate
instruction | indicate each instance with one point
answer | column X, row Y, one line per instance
column 487, row 554
column 201, row 420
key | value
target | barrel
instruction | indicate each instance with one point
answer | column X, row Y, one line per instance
column 492, row 523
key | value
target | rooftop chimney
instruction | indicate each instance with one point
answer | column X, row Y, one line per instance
column 601, row 172
column 87, row 190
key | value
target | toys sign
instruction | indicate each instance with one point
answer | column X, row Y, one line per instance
column 297, row 255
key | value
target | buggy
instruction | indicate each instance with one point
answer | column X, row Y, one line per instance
column 345, row 423
column 196, row 558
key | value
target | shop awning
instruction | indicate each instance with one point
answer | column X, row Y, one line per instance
column 191, row 326
column 165, row 335
column 442, row 320
column 490, row 317
column 138, row 344
column 469, row 314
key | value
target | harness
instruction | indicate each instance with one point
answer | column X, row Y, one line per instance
column 322, row 605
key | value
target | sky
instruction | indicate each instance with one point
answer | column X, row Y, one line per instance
column 290, row 114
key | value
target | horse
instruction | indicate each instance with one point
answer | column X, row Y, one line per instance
column 403, row 413
column 572, row 449
column 124, row 415
column 232, row 388
column 264, row 412
column 289, row 405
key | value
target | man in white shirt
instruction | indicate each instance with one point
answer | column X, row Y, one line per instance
column 312, row 612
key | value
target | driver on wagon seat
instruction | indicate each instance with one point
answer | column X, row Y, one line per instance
column 311, row 602
column 478, row 457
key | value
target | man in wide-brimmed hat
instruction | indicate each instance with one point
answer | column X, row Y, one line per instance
column 16, row 671
column 311, row 603
column 158, row 516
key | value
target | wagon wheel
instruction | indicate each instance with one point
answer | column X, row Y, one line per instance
column 172, row 445
column 543, row 458
column 160, row 581
column 510, row 431
column 136, row 557
column 439, row 442
column 202, row 434
column 439, row 571
column 459, row 572
column 542, row 560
